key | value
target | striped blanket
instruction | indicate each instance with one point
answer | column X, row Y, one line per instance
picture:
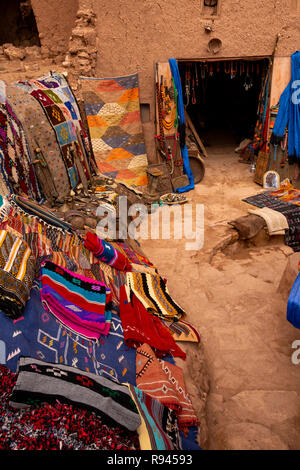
column 80, row 303
column 17, row 271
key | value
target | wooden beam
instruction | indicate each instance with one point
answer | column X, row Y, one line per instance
column 192, row 128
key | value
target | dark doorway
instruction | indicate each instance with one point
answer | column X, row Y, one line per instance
column 222, row 97
column 18, row 24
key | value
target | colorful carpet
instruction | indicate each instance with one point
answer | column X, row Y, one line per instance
column 38, row 334
column 17, row 173
column 113, row 114
column 59, row 104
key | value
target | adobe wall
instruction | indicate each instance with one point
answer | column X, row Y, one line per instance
column 55, row 21
column 134, row 34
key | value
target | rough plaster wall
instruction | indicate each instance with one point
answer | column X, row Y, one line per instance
column 134, row 34
column 55, row 20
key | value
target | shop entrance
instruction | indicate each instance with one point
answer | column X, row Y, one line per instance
column 223, row 98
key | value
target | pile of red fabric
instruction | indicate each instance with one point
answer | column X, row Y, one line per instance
column 140, row 326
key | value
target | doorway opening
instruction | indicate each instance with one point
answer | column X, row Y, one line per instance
column 17, row 24
column 223, row 97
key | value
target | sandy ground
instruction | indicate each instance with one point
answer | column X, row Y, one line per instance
column 242, row 380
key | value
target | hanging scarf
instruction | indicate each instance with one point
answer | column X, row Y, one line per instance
column 181, row 127
column 289, row 113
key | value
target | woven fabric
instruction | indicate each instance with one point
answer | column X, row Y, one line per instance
column 45, row 382
column 56, row 426
column 17, row 171
column 60, row 107
column 37, row 210
column 38, row 334
column 140, row 327
column 133, row 256
column 40, row 134
column 113, row 114
column 285, row 202
column 159, row 428
column 183, row 331
column 152, row 291
column 106, row 252
column 276, row 222
column 80, row 303
column 164, row 382
column 17, row 272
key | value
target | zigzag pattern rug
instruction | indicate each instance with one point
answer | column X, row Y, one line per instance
column 112, row 108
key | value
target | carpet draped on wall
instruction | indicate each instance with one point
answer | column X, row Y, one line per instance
column 112, row 108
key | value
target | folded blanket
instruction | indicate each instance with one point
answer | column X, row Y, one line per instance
column 152, row 291
column 80, row 303
column 140, row 327
column 106, row 252
column 17, row 272
column 40, row 381
column 276, row 222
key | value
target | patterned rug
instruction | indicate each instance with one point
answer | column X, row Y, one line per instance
column 37, row 334
column 113, row 114
column 17, row 173
column 59, row 104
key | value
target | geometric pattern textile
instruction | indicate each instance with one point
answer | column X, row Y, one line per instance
column 55, row 96
column 112, row 108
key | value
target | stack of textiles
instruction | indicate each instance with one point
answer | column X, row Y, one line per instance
column 285, row 202
column 17, row 273
column 42, row 143
column 16, row 162
column 80, row 303
column 164, row 382
column 55, row 96
column 140, row 327
column 152, row 292
column 56, row 426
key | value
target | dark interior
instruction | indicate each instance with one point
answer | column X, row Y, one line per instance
column 223, row 98
column 18, row 24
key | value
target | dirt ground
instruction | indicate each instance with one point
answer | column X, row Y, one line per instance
column 242, row 381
